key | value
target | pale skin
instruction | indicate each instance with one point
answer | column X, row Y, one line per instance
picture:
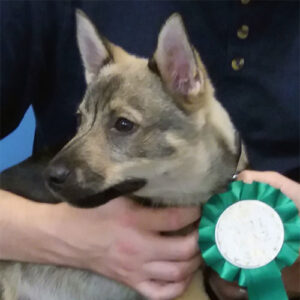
column 123, row 240
column 120, row 240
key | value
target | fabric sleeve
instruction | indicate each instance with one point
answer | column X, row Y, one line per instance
column 17, row 57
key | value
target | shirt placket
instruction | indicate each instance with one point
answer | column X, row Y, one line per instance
column 239, row 36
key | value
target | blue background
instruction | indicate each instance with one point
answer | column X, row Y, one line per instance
column 17, row 146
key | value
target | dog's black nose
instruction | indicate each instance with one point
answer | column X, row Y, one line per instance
column 57, row 175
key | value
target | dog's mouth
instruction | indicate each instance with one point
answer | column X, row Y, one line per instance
column 121, row 189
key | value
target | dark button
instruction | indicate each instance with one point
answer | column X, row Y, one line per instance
column 243, row 32
column 237, row 63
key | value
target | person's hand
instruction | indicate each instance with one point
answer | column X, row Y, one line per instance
column 225, row 290
column 287, row 186
column 120, row 240
column 123, row 241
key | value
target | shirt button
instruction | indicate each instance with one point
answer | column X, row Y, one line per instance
column 237, row 63
column 243, row 32
column 245, row 1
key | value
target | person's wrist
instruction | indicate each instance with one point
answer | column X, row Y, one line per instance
column 72, row 236
column 21, row 228
column 44, row 233
column 59, row 241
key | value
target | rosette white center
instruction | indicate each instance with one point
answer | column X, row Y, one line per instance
column 249, row 234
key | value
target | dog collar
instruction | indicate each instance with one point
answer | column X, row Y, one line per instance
column 248, row 234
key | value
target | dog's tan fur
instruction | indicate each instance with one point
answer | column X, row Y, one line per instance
column 196, row 155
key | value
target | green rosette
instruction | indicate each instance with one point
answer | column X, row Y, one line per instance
column 263, row 282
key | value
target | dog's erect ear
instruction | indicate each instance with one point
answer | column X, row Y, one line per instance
column 93, row 51
column 176, row 60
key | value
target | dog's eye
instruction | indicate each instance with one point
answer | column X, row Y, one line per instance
column 124, row 125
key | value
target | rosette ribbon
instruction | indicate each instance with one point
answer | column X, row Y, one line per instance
column 264, row 282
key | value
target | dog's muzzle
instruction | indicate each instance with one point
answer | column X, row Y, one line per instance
column 121, row 189
column 62, row 183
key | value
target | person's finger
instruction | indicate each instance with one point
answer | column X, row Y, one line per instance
column 289, row 187
column 163, row 291
column 172, row 271
column 275, row 179
column 166, row 219
column 172, row 248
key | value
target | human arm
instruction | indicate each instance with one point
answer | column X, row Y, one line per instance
column 16, row 64
column 120, row 240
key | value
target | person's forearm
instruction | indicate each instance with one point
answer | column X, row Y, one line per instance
column 121, row 240
column 23, row 234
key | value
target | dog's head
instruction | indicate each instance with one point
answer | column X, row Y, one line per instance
column 150, row 128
